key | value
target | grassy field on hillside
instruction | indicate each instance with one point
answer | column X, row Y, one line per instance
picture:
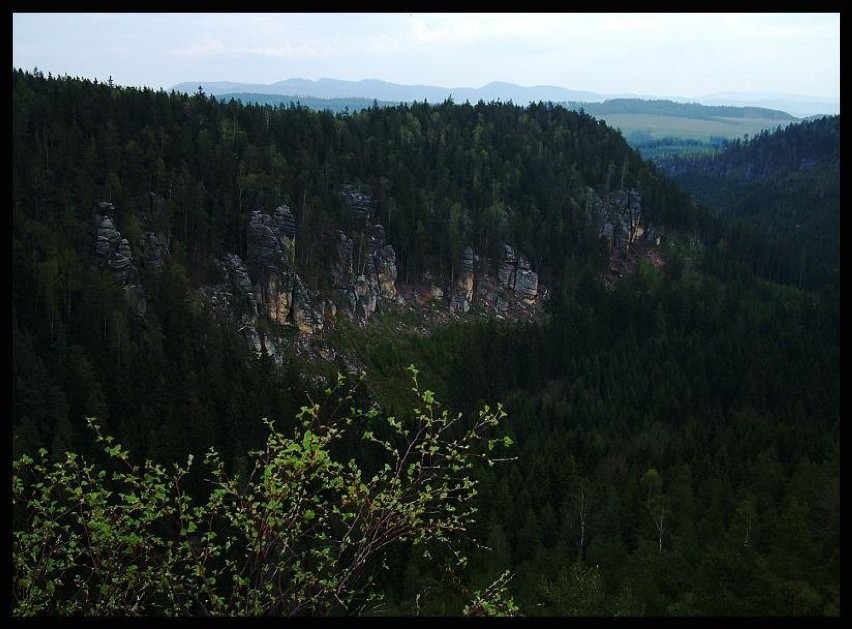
column 650, row 126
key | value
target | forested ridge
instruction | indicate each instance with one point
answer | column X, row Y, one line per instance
column 675, row 430
column 671, row 108
column 780, row 194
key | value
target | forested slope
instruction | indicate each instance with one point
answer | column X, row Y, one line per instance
column 675, row 414
column 781, row 192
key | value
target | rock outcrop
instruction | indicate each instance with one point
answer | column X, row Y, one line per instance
column 238, row 296
column 526, row 281
column 304, row 316
column 360, row 290
column 360, row 205
column 381, row 264
column 361, row 275
column 271, row 258
column 232, row 300
column 515, row 273
column 619, row 219
column 463, row 290
column 153, row 253
column 267, row 287
column 341, row 268
column 112, row 250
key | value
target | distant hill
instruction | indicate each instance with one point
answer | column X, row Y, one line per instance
column 793, row 104
column 334, row 105
column 682, row 110
column 797, row 105
column 652, row 126
column 394, row 92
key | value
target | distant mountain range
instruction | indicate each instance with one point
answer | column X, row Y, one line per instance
column 793, row 104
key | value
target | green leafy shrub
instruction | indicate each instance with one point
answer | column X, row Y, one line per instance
column 301, row 534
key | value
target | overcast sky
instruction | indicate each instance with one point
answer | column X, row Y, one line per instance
column 665, row 54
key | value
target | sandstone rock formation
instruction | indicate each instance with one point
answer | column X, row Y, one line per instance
column 619, row 219
column 515, row 273
column 270, row 259
column 153, row 253
column 109, row 248
column 463, row 290
column 360, row 205
column 361, row 283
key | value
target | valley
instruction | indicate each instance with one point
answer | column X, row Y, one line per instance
column 621, row 375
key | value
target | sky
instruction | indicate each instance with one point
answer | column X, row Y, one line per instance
column 646, row 54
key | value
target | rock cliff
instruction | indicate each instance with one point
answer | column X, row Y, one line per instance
column 111, row 249
column 264, row 295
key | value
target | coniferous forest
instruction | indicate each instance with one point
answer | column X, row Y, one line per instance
column 664, row 439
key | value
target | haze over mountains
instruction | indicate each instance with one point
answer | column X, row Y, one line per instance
column 794, row 104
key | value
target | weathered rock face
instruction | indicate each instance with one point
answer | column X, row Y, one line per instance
column 121, row 262
column 376, row 236
column 269, row 284
column 378, row 280
column 515, row 273
column 342, row 276
column 111, row 249
column 265, row 286
column 271, row 256
column 361, row 205
column 270, row 240
column 153, row 253
column 365, row 298
column 381, row 264
column 619, row 220
column 526, row 281
column 284, row 218
column 233, row 300
column 385, row 272
column 463, row 290
column 506, row 271
column 305, row 316
column 341, row 268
